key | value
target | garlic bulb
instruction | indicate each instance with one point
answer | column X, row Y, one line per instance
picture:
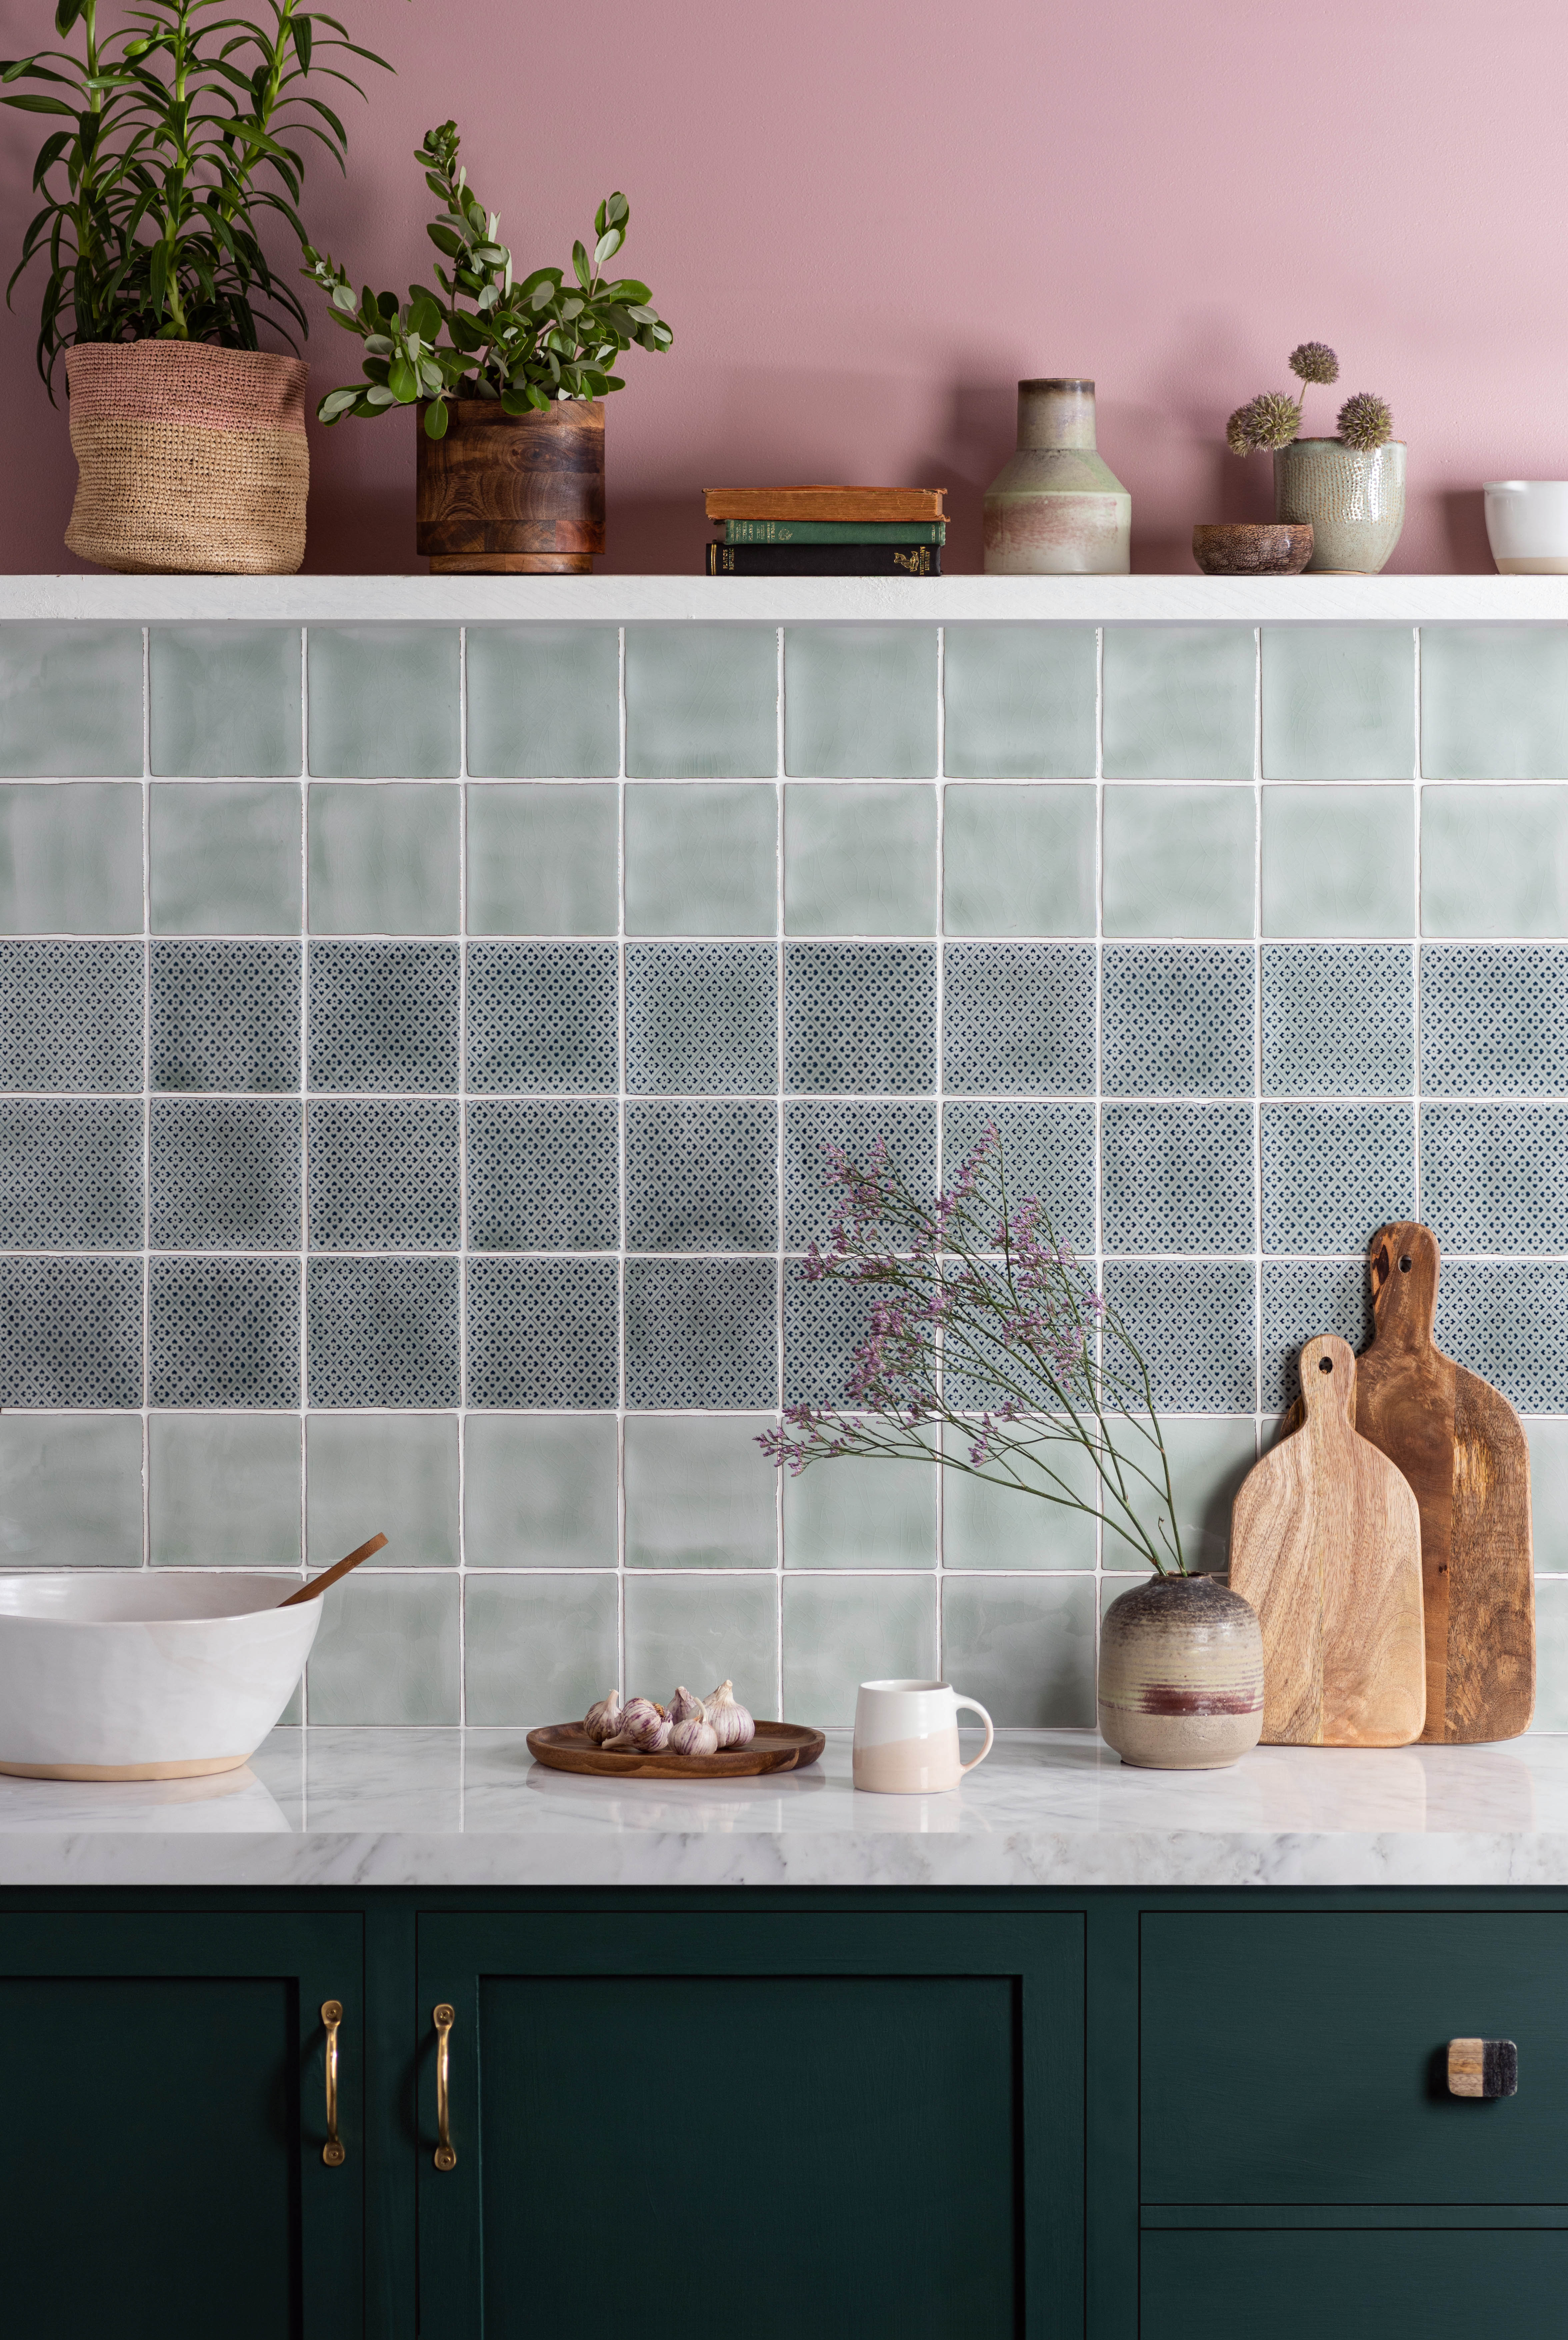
column 694, row 1735
column 732, row 1725
column 602, row 1721
column 645, row 1724
column 683, row 1704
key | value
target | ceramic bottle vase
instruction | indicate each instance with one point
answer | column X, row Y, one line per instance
column 1180, row 1675
column 1056, row 509
column 1354, row 497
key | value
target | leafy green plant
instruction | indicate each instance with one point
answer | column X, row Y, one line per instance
column 483, row 333
column 171, row 117
column 1273, row 419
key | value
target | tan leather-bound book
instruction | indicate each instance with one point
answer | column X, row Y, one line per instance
column 825, row 503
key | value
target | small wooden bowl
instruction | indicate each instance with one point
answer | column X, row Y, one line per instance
column 1252, row 548
column 777, row 1747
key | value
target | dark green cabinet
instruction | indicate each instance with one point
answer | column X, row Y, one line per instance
column 1357, row 2284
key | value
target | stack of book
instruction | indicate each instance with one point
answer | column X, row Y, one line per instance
column 827, row 532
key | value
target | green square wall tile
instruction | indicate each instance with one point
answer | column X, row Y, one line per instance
column 543, row 860
column 1209, row 1455
column 1178, row 861
column 1023, row 1647
column 223, row 1491
column 538, row 1649
column 841, row 1630
column 701, row 702
column 1019, row 702
column 70, row 1491
column 1493, row 861
column 860, row 860
column 1494, row 702
column 1178, row 702
column 702, row 858
column 225, row 859
column 1551, row 1653
column 544, row 702
column 1548, row 1437
column 702, row 1631
column 382, row 1474
column 700, row 1492
column 386, row 1652
column 1018, row 861
column 860, row 1514
column 224, row 702
column 71, row 701
column 1339, row 861
column 383, row 860
column 539, row 1491
column 860, row 702
column 987, row 1526
column 383, row 701
column 70, row 859
column 1338, row 703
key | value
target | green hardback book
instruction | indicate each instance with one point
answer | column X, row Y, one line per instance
column 834, row 531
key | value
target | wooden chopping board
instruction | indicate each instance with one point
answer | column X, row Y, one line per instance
column 1463, row 1449
column 1326, row 1544
column 777, row 1747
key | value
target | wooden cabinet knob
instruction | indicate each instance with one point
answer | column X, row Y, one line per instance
column 1482, row 2068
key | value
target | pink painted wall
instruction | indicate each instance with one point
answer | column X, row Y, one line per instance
column 865, row 219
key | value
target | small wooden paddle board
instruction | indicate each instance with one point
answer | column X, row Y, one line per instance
column 1326, row 1544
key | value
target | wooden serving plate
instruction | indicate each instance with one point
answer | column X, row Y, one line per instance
column 777, row 1747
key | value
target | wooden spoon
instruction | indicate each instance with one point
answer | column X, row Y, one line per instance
column 314, row 1590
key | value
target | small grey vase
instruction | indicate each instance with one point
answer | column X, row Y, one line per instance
column 1181, row 1675
column 1056, row 508
column 1354, row 497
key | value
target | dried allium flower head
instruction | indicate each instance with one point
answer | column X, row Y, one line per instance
column 1313, row 362
column 1275, row 419
column 1364, row 421
column 1239, row 435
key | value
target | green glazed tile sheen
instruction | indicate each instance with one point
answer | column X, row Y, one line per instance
column 543, row 860
column 1210, row 1456
column 544, row 702
column 988, row 1526
column 1548, row 1437
column 1018, row 860
column 863, row 1515
column 860, row 859
column 70, row 859
column 538, row 1649
column 383, row 701
column 841, row 1630
column 1494, row 702
column 1018, row 703
column 378, row 1474
column 700, row 1492
column 386, row 1652
column 70, row 1491
column 383, row 860
column 225, row 857
column 701, row 702
column 539, row 1491
column 703, row 1630
column 1551, row 1653
column 702, row 858
column 1178, row 861
column 1023, row 1647
column 71, row 701
column 1339, row 861
column 1493, row 861
column 223, row 1490
column 1338, row 703
column 1178, row 702
column 860, row 702
column 224, row 702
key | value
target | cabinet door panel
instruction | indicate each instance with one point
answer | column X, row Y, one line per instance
column 1358, row 2285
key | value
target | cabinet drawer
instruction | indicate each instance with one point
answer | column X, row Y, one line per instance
column 1294, row 2058
column 1359, row 2287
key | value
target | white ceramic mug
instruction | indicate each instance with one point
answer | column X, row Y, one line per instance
column 906, row 1736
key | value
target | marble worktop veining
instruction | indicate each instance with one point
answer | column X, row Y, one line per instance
column 470, row 1808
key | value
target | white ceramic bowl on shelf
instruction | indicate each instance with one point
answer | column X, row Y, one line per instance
column 144, row 1676
column 1527, row 526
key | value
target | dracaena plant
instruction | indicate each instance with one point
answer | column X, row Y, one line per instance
column 485, row 332
column 185, row 128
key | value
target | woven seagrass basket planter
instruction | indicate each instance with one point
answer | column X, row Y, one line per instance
column 191, row 459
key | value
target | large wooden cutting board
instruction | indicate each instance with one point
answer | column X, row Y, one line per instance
column 1326, row 1544
column 1461, row 1447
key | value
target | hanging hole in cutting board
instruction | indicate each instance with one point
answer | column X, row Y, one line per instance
column 1326, row 1364
column 1404, row 1267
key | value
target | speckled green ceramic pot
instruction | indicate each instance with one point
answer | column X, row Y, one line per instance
column 1180, row 1675
column 1355, row 500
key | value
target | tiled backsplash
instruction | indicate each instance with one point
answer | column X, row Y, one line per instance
column 416, row 1048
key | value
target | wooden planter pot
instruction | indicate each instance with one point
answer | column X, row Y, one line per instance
column 513, row 494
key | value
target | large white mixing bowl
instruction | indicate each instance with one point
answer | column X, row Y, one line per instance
column 144, row 1676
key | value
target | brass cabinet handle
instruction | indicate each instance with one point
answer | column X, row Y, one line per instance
column 333, row 2153
column 1482, row 2068
column 443, row 2018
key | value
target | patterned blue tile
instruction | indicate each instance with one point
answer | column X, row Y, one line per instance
column 226, row 1016
column 1338, row 1019
column 225, row 1332
column 1508, row 1321
column 824, row 1323
column 225, row 1175
column 1490, row 1177
column 384, row 1177
column 860, row 1017
column 384, row 1331
column 1048, row 1151
column 702, row 1018
column 384, row 1016
column 1177, row 1020
column 70, row 1016
column 809, row 1197
column 543, row 1177
column 69, row 1176
column 1193, row 1321
column 1334, row 1173
column 542, row 1017
column 1178, row 1177
column 70, row 1332
column 1495, row 1019
column 1302, row 1298
column 542, row 1331
column 1019, row 1016
column 700, row 1333
column 702, row 1177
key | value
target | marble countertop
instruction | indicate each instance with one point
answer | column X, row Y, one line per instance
column 449, row 1807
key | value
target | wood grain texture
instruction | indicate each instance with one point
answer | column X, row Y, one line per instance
column 777, row 1747
column 1461, row 1447
column 1482, row 2068
column 825, row 503
column 512, row 484
column 1326, row 1544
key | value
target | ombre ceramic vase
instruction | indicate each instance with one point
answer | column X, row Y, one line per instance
column 1180, row 1675
column 1056, row 509
column 1353, row 496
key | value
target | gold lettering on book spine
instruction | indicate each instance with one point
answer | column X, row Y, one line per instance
column 917, row 562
